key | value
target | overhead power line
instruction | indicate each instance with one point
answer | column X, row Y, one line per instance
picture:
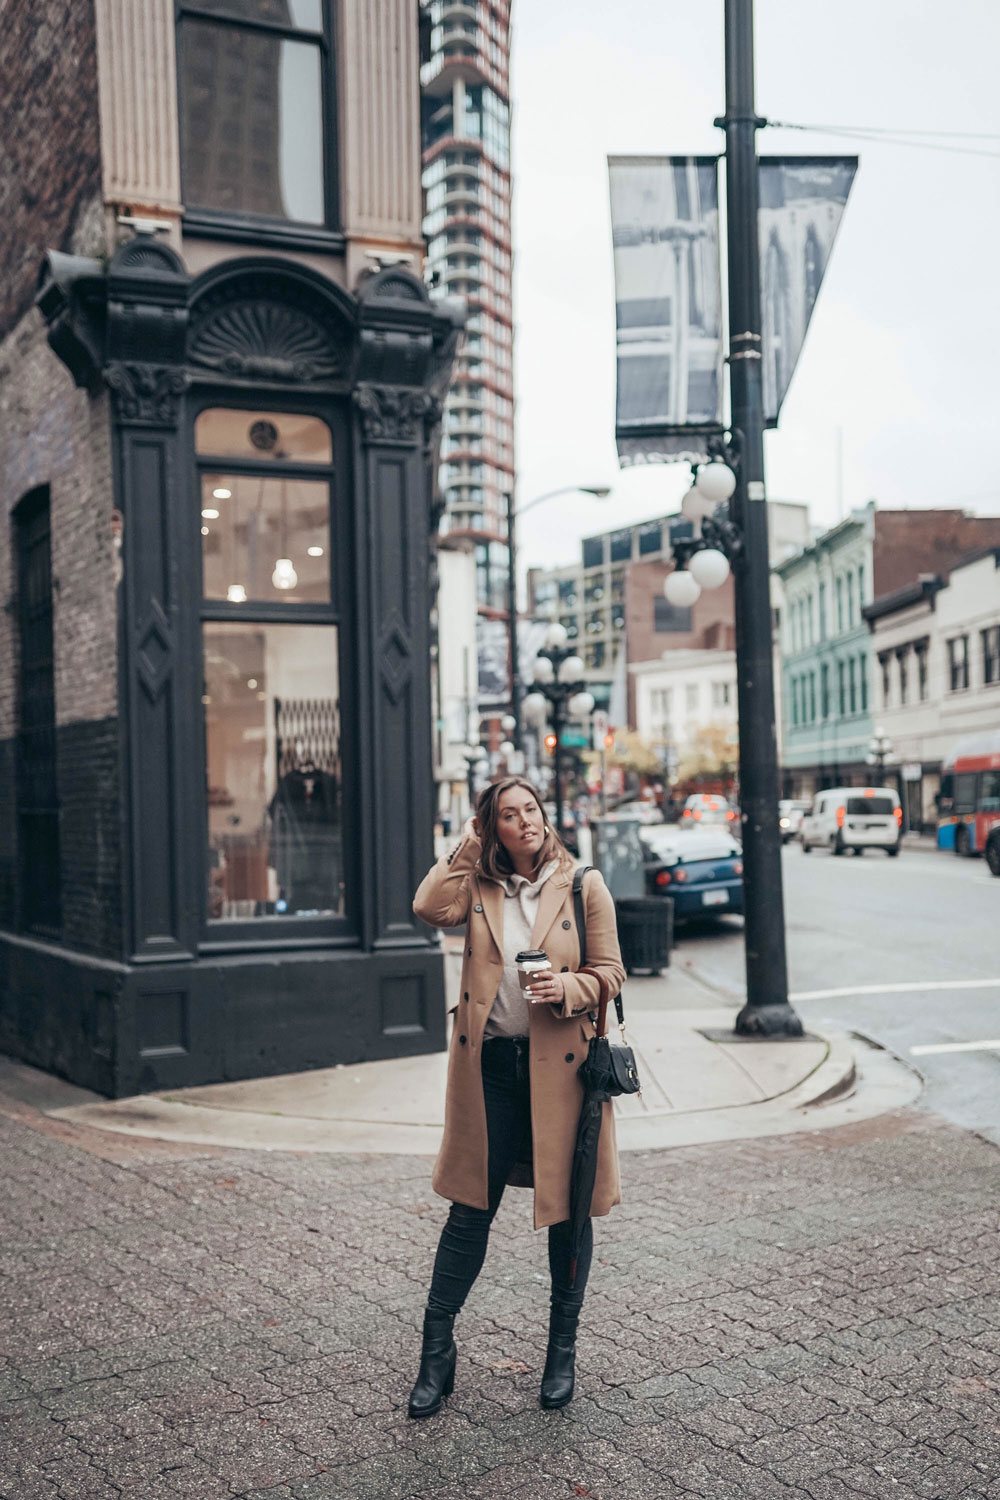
column 885, row 136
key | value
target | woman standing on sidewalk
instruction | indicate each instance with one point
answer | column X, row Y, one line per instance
column 513, row 1097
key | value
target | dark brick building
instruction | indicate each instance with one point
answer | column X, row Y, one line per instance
column 220, row 381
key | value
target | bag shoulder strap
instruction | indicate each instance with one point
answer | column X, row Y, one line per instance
column 581, row 919
column 581, row 930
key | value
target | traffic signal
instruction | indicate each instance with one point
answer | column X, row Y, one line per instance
column 609, row 741
column 550, row 743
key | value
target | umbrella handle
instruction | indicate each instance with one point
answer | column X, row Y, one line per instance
column 602, row 1007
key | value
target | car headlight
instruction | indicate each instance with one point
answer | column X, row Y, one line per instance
column 782, row 822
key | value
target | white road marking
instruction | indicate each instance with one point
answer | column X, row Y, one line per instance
column 956, row 1047
column 898, row 989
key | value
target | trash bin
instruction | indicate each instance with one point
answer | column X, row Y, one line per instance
column 645, row 932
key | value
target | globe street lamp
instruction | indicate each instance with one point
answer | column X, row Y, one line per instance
column 557, row 671
column 600, row 492
column 880, row 749
column 474, row 758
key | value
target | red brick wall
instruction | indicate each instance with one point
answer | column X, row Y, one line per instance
column 53, row 434
column 50, row 170
column 908, row 542
column 711, row 617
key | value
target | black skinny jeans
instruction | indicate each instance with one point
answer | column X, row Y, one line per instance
column 462, row 1247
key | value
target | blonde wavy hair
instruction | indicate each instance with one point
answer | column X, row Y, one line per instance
column 495, row 860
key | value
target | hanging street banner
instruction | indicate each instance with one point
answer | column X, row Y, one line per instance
column 493, row 643
column 668, row 297
column 802, row 201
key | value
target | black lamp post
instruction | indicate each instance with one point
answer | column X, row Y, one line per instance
column 728, row 516
column 556, row 695
column 473, row 756
column 600, row 492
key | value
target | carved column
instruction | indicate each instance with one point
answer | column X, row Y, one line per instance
column 399, row 353
column 144, row 369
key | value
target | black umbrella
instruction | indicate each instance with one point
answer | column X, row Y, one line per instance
column 595, row 1075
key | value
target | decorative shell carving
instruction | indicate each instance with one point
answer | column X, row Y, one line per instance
column 265, row 340
column 401, row 288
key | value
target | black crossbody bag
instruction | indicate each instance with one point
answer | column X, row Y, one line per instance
column 622, row 1073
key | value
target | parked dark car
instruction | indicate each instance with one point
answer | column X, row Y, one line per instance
column 702, row 870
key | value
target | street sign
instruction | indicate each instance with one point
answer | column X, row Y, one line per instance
column 576, row 739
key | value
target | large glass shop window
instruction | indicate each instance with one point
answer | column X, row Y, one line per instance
column 271, row 690
column 272, row 739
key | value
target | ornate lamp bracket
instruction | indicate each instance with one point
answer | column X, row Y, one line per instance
column 720, row 530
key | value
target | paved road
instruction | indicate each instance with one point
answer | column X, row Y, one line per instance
column 914, row 944
column 809, row 1317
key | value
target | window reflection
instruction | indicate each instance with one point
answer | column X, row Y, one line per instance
column 252, row 121
column 272, row 732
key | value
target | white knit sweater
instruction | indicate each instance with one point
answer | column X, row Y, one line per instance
column 509, row 1015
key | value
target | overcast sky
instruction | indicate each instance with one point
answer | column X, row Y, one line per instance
column 899, row 355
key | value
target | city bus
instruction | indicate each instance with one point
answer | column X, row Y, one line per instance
column 969, row 801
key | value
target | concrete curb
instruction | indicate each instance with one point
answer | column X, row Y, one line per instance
column 835, row 1090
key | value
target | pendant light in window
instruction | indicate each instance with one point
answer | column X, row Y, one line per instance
column 284, row 576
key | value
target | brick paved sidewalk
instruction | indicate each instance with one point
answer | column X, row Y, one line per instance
column 809, row 1316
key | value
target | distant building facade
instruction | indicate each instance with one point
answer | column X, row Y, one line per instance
column 218, row 427
column 685, row 710
column 465, row 128
column 612, row 600
column 936, row 645
column 827, row 657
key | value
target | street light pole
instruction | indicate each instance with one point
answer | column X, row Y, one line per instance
column 558, row 722
column 767, row 1011
column 515, row 681
column 557, row 675
column 600, row 492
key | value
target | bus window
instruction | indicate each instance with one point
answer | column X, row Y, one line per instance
column 989, row 793
column 965, row 792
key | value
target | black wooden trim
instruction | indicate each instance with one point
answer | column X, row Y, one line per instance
column 261, row 612
column 279, row 234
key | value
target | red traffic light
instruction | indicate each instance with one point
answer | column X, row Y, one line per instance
column 550, row 743
column 609, row 741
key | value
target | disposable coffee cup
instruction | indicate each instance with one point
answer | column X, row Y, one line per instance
column 532, row 964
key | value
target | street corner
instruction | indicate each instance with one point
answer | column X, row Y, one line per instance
column 702, row 1082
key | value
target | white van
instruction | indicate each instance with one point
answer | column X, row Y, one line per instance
column 853, row 817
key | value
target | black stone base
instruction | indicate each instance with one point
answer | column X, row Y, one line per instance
column 768, row 1022
column 122, row 1030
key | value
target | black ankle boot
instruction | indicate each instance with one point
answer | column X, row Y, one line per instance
column 436, row 1378
column 558, row 1377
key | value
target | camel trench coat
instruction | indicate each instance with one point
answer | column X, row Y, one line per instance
column 455, row 891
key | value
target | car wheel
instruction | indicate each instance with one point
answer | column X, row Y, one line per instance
column 839, row 846
column 858, row 851
column 893, row 853
column 993, row 853
column 806, row 848
column 961, row 841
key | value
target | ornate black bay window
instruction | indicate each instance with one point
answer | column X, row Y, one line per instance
column 273, row 441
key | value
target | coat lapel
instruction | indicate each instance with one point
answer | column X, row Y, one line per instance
column 491, row 900
column 550, row 900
